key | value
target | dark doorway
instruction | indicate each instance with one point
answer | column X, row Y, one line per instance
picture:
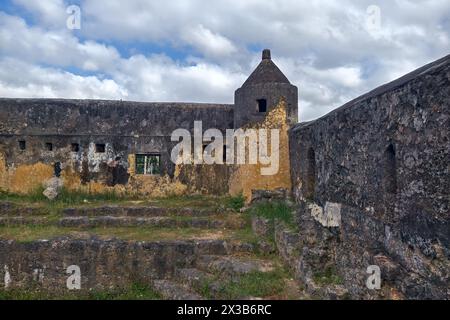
column 119, row 173
column 57, row 169
column 390, row 170
column 311, row 173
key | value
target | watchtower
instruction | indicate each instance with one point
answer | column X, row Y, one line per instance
column 262, row 91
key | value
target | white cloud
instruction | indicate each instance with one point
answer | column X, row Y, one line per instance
column 208, row 43
column 324, row 47
column 23, row 80
column 55, row 47
column 160, row 78
column 51, row 13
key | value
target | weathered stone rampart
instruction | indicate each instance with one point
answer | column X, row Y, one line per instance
column 372, row 181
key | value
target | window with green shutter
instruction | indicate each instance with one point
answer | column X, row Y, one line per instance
column 149, row 164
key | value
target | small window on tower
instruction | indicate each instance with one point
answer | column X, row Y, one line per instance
column 22, row 145
column 49, row 146
column 262, row 105
column 100, row 148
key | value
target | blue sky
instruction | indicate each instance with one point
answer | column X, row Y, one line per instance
column 192, row 50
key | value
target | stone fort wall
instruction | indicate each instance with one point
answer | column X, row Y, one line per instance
column 372, row 182
column 98, row 145
column 122, row 128
column 370, row 179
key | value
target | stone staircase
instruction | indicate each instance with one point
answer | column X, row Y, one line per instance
column 120, row 216
column 209, row 275
column 183, row 267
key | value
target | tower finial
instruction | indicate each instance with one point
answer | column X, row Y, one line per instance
column 266, row 54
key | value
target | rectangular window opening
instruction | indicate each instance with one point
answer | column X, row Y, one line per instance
column 262, row 105
column 49, row 146
column 22, row 145
column 100, row 148
column 75, row 147
column 148, row 164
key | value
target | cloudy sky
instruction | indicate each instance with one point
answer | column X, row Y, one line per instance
column 201, row 51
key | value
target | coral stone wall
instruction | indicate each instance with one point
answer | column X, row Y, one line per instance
column 248, row 177
column 124, row 128
column 372, row 180
column 103, row 264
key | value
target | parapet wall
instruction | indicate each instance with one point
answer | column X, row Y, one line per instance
column 107, row 117
column 372, row 181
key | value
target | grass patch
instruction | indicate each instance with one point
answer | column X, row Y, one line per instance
column 268, row 285
column 66, row 197
column 201, row 202
column 245, row 235
column 29, row 233
column 188, row 201
column 274, row 210
column 32, row 197
column 79, row 198
column 255, row 284
column 69, row 197
column 134, row 292
column 328, row 276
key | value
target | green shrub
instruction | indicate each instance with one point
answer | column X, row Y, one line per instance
column 236, row 202
column 274, row 210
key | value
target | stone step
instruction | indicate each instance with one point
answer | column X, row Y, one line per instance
column 19, row 221
column 163, row 222
column 199, row 281
column 173, row 291
column 232, row 266
column 113, row 221
column 142, row 211
column 13, row 209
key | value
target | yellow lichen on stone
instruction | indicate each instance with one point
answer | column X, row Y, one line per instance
column 71, row 179
column 155, row 186
column 204, row 178
column 152, row 185
column 248, row 177
column 27, row 178
column 131, row 164
column 4, row 181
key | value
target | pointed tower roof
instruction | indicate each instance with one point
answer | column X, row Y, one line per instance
column 266, row 71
